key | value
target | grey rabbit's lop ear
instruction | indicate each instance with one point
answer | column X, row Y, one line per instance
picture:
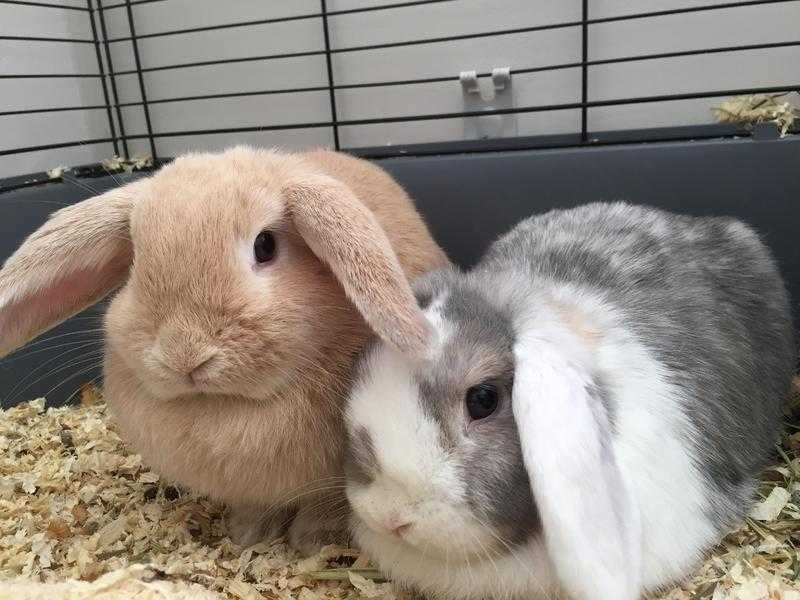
column 590, row 523
column 345, row 235
column 78, row 256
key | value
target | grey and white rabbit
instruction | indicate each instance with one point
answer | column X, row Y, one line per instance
column 600, row 394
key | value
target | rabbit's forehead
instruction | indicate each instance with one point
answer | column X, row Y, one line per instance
column 474, row 342
column 227, row 206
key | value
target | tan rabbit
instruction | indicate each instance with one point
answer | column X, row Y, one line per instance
column 249, row 280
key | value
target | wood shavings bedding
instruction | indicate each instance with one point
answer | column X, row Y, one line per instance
column 129, row 165
column 757, row 108
column 82, row 518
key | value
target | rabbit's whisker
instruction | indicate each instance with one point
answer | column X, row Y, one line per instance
column 95, row 355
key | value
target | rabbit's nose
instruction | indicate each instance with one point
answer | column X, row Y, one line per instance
column 398, row 527
column 401, row 530
column 197, row 365
column 187, row 351
column 203, row 368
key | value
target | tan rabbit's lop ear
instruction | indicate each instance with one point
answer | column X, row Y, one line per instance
column 345, row 235
column 79, row 255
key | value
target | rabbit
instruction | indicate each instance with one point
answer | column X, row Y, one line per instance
column 248, row 282
column 596, row 402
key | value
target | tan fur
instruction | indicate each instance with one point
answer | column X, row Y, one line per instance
column 259, row 423
column 578, row 323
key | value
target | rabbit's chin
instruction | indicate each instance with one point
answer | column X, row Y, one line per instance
column 231, row 449
column 522, row 573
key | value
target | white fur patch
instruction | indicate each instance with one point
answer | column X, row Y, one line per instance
column 387, row 406
column 442, row 329
column 523, row 573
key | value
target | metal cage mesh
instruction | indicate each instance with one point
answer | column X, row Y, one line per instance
column 119, row 136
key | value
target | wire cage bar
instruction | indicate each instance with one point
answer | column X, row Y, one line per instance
column 119, row 134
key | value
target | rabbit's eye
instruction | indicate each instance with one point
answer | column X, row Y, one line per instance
column 481, row 401
column 264, row 247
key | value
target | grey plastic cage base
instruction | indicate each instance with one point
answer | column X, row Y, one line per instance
column 470, row 199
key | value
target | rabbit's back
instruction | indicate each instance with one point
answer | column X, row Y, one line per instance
column 703, row 295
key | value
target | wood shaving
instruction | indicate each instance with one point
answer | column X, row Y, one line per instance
column 133, row 582
column 757, row 108
column 367, row 587
column 129, row 165
column 770, row 508
column 82, row 519
column 57, row 172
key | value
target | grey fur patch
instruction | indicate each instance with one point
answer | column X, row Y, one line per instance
column 431, row 285
column 361, row 462
column 600, row 391
column 607, row 461
column 488, row 452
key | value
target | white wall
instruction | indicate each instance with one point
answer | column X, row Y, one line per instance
column 743, row 25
